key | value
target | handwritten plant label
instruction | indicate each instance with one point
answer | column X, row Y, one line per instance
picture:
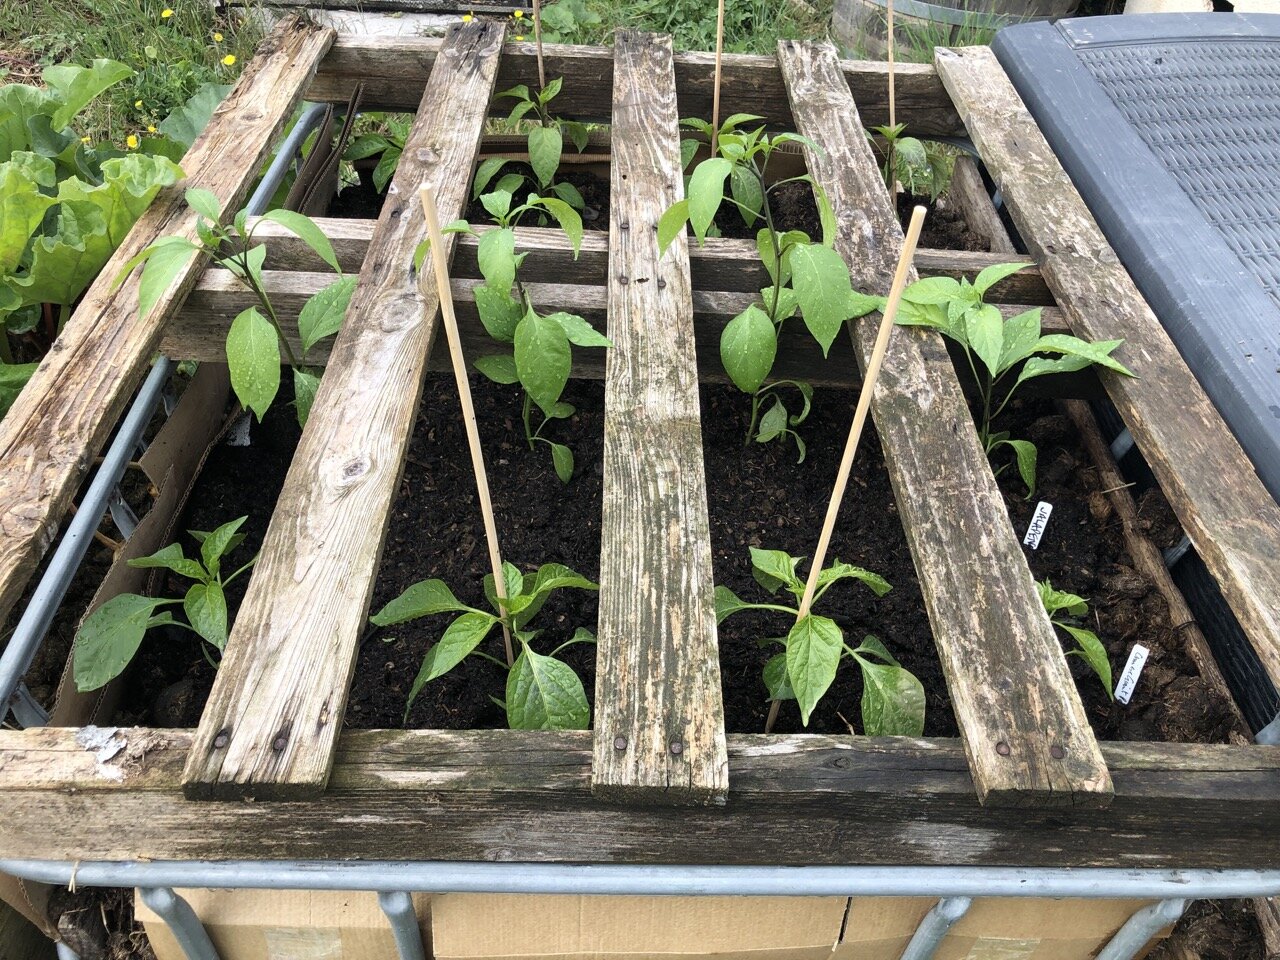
column 1039, row 520
column 1132, row 671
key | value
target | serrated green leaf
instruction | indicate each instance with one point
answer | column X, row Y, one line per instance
column 322, row 315
column 253, row 356
column 206, row 608
column 545, row 694
column 748, row 346
column 109, row 638
column 306, row 230
column 893, row 701
column 814, row 647
column 498, row 367
column 543, row 359
column 545, row 147
column 424, row 598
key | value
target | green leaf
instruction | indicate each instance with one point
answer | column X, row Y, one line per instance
column 1093, row 653
column 205, row 203
column 420, row 600
column 1055, row 600
column 671, row 224
column 549, row 578
column 22, row 205
column 543, row 359
column 165, row 260
column 13, row 377
column 462, row 636
column 216, row 544
column 253, row 355
column 77, row 86
column 939, row 290
column 305, row 386
column 545, row 147
column 748, row 347
column 569, row 194
column 893, row 702
column 706, row 191
column 1039, row 367
column 499, row 312
column 872, row 645
column 322, row 315
column 498, row 203
column 578, row 133
column 845, row 571
column 1024, row 452
column 206, row 608
column 545, row 694
column 776, row 680
column 562, row 460
column 386, row 168
column 487, row 170
column 498, row 367
column 788, row 302
column 110, row 637
column 989, row 277
column 1099, row 352
column 188, row 121
column 746, row 191
column 171, row 558
column 775, row 568
column 568, row 218
column 66, row 261
column 513, row 586
column 579, row 332
column 727, row 603
column 826, row 215
column 774, row 422
column 1021, row 333
column 821, row 281
column 984, row 329
column 814, row 646
column 496, row 256
column 305, row 229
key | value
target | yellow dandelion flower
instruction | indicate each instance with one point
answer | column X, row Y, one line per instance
column 467, row 18
column 151, row 128
column 217, row 37
column 131, row 142
column 229, row 60
column 137, row 104
column 166, row 13
column 519, row 14
column 520, row 36
column 86, row 139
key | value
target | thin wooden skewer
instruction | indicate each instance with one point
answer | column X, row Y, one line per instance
column 537, row 39
column 427, row 195
column 715, row 90
column 893, row 113
column 859, row 421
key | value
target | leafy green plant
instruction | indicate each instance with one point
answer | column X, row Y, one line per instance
column 923, row 169
column 256, row 338
column 385, row 141
column 540, row 358
column 569, row 21
column 808, row 277
column 892, row 697
column 956, row 309
column 542, row 693
column 1065, row 612
column 110, row 636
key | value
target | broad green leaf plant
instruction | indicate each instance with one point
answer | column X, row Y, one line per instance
column 542, row 692
column 893, row 700
column 996, row 349
column 111, row 635
column 808, row 277
column 256, row 343
column 1066, row 611
column 923, row 169
column 538, row 347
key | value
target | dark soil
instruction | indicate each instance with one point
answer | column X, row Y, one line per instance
column 1214, row 930
column 944, row 228
column 1083, row 551
column 793, row 206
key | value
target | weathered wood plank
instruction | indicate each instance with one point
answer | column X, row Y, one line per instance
column 717, row 264
column 1021, row 719
column 969, row 195
column 273, row 716
column 1209, row 481
column 59, row 422
column 393, row 70
column 525, row 796
column 659, row 724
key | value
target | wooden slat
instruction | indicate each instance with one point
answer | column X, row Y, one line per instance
column 1021, row 719
column 273, row 716
column 393, row 70
column 717, row 264
column 1209, row 481
column 59, row 422
column 659, row 724
column 525, row 796
column 969, row 195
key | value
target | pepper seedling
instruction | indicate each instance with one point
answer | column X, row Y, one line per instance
column 110, row 636
column 1065, row 612
column 892, row 697
column 542, row 693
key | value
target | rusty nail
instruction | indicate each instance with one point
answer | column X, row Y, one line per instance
column 677, row 747
column 221, row 740
column 619, row 743
column 1002, row 748
column 1057, row 752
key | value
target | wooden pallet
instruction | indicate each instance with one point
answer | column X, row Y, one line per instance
column 1026, row 782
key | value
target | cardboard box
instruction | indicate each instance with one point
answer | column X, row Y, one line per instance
column 485, row 927
column 287, row 925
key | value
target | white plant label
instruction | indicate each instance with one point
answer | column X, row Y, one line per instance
column 1132, row 671
column 1039, row 520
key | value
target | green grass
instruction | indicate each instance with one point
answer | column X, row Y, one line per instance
column 172, row 56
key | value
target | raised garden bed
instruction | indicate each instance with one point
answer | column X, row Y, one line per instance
column 1021, row 765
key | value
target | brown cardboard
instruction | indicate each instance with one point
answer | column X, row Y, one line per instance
column 286, row 925
column 484, row 927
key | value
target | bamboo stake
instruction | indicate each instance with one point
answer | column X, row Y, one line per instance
column 428, row 197
column 537, row 39
column 893, row 114
column 859, row 421
column 715, row 90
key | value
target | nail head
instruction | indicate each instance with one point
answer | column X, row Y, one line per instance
column 677, row 747
column 1002, row 748
column 1057, row 752
column 619, row 743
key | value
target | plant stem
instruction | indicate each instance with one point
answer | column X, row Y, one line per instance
column 529, row 435
column 248, row 280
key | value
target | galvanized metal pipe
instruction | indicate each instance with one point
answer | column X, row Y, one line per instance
column 1140, row 928
column 182, row 922
column 65, row 952
column 398, row 906
column 924, row 943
